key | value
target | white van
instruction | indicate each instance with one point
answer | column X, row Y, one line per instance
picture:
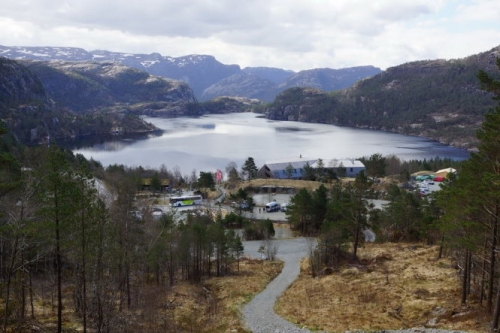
column 284, row 206
column 273, row 206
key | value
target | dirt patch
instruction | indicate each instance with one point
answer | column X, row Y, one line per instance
column 398, row 286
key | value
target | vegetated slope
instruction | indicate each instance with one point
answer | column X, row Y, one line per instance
column 438, row 99
column 35, row 116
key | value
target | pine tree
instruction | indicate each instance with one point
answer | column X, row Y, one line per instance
column 471, row 203
column 56, row 190
column 487, row 162
column 249, row 168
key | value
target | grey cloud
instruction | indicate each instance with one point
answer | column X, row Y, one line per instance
column 401, row 11
column 296, row 33
column 173, row 17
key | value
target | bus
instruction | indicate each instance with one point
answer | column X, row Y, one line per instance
column 273, row 206
column 186, row 200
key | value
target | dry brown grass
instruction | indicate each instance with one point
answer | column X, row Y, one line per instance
column 297, row 184
column 212, row 307
column 398, row 286
column 218, row 308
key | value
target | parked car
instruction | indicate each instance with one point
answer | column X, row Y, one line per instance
column 284, row 206
column 241, row 205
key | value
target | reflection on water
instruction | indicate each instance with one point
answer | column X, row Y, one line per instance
column 207, row 126
column 290, row 129
column 211, row 142
column 109, row 142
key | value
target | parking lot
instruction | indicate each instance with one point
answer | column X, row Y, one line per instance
column 259, row 211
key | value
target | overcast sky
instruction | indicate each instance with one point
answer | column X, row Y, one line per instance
column 289, row 34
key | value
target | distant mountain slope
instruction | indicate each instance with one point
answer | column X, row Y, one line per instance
column 242, row 85
column 275, row 75
column 90, row 85
column 254, row 86
column 438, row 99
column 63, row 104
column 203, row 73
column 198, row 71
column 328, row 79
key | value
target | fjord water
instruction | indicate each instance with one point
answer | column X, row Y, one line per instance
column 211, row 142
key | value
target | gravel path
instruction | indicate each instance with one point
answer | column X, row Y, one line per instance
column 259, row 313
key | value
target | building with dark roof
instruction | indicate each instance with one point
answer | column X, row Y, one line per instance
column 294, row 169
column 350, row 167
column 286, row 169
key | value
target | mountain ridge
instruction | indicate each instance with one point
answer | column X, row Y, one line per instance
column 203, row 73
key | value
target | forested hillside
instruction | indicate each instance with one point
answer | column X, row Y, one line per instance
column 438, row 99
column 41, row 101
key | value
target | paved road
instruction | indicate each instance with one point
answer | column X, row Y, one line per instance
column 259, row 313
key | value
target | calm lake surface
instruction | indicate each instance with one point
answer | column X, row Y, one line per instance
column 211, row 142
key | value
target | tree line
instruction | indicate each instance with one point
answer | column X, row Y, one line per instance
column 70, row 237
